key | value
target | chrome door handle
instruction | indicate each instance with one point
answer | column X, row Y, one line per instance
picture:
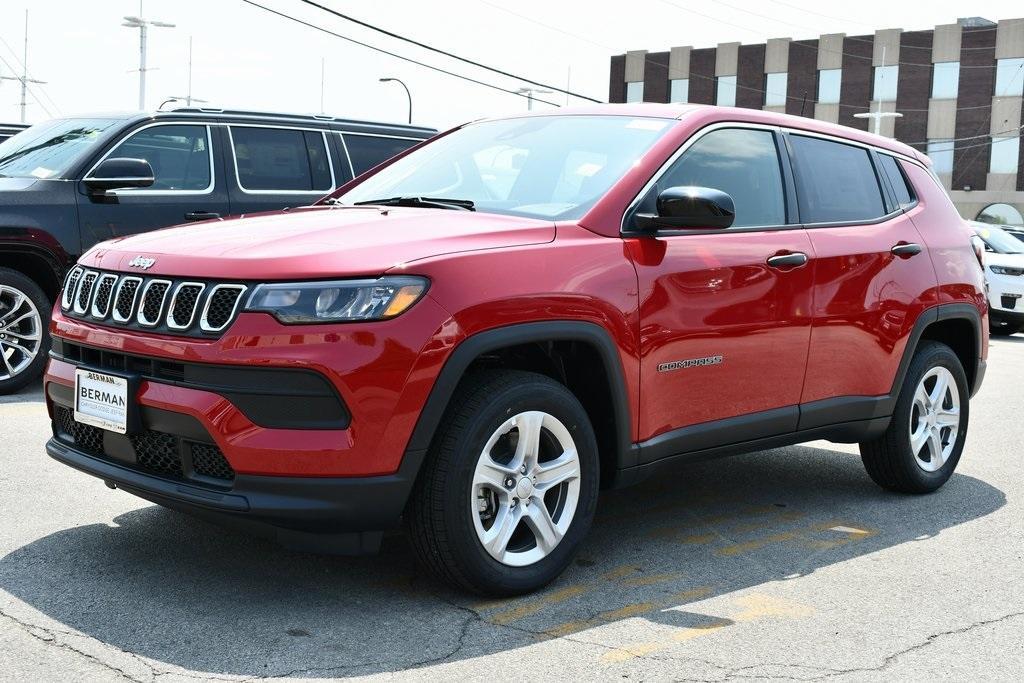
column 794, row 260
column 201, row 215
column 906, row 250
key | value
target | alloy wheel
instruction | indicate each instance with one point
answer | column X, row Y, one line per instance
column 934, row 419
column 21, row 331
column 525, row 488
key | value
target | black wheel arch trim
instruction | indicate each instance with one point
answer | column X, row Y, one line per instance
column 512, row 335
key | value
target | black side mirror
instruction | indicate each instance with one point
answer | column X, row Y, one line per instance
column 689, row 208
column 119, row 174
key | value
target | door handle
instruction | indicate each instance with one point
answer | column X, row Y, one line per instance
column 906, row 250
column 794, row 260
column 201, row 215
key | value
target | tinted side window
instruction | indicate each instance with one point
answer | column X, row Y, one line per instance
column 366, row 151
column 891, row 168
column 281, row 159
column 835, row 182
column 742, row 163
column 179, row 155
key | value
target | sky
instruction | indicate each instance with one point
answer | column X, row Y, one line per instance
column 246, row 57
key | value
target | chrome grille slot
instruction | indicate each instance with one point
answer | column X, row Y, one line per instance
column 151, row 305
column 70, row 287
column 84, row 295
column 220, row 307
column 124, row 304
column 182, row 310
column 104, row 295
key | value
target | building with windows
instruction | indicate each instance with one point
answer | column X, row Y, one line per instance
column 955, row 92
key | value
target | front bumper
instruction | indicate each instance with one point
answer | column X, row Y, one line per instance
column 1005, row 299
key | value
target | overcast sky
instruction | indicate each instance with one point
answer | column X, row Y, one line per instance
column 245, row 57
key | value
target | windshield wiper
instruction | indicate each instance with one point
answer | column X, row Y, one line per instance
column 427, row 202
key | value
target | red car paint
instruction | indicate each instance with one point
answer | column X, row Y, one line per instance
column 836, row 327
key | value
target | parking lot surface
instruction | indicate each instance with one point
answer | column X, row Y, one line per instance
column 785, row 564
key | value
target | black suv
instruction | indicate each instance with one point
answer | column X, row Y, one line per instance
column 9, row 129
column 69, row 183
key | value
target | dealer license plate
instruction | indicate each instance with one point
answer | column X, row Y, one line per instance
column 101, row 400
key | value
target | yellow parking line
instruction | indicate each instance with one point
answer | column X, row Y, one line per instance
column 619, row 572
column 756, row 544
column 628, row 611
column 651, row 579
column 525, row 610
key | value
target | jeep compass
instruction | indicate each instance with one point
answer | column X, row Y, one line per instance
column 476, row 337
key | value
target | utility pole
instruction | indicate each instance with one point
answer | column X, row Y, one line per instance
column 323, row 80
column 408, row 95
column 143, row 26
column 188, row 97
column 529, row 92
column 25, row 80
column 877, row 116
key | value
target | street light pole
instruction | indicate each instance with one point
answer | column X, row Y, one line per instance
column 529, row 92
column 407, row 94
column 25, row 80
column 877, row 116
column 188, row 97
column 143, row 26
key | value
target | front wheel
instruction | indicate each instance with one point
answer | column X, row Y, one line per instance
column 24, row 342
column 509, row 487
column 922, row 445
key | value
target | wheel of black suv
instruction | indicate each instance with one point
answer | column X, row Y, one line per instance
column 509, row 487
column 24, row 342
column 922, row 445
column 1004, row 329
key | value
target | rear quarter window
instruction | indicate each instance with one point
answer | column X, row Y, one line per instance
column 900, row 187
column 835, row 182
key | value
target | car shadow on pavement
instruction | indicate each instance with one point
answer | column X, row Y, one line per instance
column 184, row 593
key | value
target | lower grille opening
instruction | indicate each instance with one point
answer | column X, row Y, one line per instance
column 159, row 453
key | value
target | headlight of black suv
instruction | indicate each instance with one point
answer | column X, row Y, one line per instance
column 337, row 301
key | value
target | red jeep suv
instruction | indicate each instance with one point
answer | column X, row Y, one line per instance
column 478, row 335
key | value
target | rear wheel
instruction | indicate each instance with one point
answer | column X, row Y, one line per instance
column 24, row 342
column 509, row 487
column 922, row 445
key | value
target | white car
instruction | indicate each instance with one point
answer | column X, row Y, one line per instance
column 1004, row 272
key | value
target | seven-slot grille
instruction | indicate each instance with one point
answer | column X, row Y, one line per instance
column 166, row 305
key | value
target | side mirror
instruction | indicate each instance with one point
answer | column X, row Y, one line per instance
column 690, row 208
column 119, row 174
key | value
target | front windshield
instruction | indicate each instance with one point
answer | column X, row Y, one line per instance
column 1000, row 241
column 49, row 149
column 551, row 167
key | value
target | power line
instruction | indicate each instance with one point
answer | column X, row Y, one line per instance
column 28, row 87
column 549, row 27
column 20, row 64
column 392, row 54
column 439, row 51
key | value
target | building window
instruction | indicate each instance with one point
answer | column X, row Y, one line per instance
column 1005, row 153
column 1000, row 214
column 945, row 80
column 775, row 90
column 829, row 82
column 1010, row 77
column 679, row 90
column 941, row 153
column 635, row 92
column 725, row 91
column 885, row 83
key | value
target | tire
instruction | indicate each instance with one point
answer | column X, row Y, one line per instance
column 448, row 514
column 24, row 340
column 1004, row 330
column 891, row 460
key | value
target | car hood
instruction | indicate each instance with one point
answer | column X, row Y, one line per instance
column 1010, row 260
column 316, row 242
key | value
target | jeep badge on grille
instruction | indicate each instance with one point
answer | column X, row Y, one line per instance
column 141, row 262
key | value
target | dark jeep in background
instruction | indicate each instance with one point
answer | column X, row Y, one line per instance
column 69, row 183
column 9, row 129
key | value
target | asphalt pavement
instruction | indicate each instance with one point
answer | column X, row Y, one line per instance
column 785, row 564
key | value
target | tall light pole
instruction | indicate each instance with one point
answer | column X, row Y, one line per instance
column 25, row 80
column 530, row 92
column 407, row 95
column 188, row 98
column 143, row 26
column 877, row 116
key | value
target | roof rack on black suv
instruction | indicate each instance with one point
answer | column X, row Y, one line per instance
column 11, row 129
column 134, row 172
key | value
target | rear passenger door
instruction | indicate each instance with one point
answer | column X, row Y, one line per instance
column 872, row 276
column 272, row 168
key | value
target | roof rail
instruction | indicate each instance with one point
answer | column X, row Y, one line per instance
column 282, row 115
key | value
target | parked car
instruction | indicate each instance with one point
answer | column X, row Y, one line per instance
column 477, row 357
column 1015, row 231
column 9, row 129
column 66, row 184
column 1004, row 273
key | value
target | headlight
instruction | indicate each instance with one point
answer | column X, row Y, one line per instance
column 1003, row 270
column 337, row 301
